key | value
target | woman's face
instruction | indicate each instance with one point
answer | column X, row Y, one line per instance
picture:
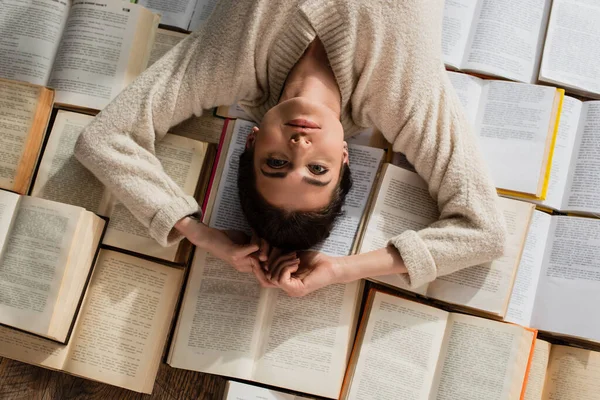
column 298, row 154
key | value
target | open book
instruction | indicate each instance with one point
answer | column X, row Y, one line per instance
column 401, row 201
column 24, row 114
column 571, row 50
column 229, row 325
column 494, row 37
column 46, row 252
column 563, row 372
column 164, row 40
column 516, row 125
column 242, row 391
column 88, row 51
column 557, row 288
column 407, row 350
column 573, row 185
column 62, row 178
column 120, row 331
column 184, row 14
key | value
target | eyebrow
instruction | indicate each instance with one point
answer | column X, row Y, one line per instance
column 306, row 179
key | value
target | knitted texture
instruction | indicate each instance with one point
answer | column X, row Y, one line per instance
column 386, row 57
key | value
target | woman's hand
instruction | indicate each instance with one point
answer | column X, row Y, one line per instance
column 299, row 276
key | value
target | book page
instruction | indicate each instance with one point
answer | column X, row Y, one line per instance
column 92, row 61
column 563, row 153
column 524, row 289
column 243, row 391
column 306, row 341
column 573, row 374
column 234, row 111
column 458, row 18
column 481, row 359
column 124, row 321
column 164, row 40
column 31, row 349
column 569, row 287
column 33, row 262
column 202, row 12
column 514, row 125
column 8, row 210
column 581, row 193
column 60, row 176
column 182, row 160
column 18, row 104
column 571, row 48
column 487, row 287
column 399, row 351
column 31, row 31
column 172, row 12
column 219, row 322
column 537, row 371
column 506, row 38
column 205, row 128
column 468, row 88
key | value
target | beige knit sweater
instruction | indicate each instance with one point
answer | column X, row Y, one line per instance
column 386, row 58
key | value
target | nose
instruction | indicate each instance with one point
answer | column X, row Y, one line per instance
column 300, row 139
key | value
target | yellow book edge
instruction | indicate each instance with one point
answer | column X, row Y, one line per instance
column 544, row 193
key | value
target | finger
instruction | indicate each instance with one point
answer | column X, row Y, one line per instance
column 263, row 254
column 276, row 264
column 273, row 255
column 245, row 250
column 293, row 263
column 262, row 279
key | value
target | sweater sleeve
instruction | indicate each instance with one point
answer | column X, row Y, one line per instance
column 118, row 146
column 419, row 112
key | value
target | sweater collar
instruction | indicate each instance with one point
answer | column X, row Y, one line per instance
column 314, row 17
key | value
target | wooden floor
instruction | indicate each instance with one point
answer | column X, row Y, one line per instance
column 23, row 381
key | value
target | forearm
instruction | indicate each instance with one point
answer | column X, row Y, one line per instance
column 194, row 231
column 386, row 261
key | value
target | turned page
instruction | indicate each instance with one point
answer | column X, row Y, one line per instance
column 571, row 50
column 536, row 376
column 506, row 38
column 8, row 210
column 581, row 193
column 563, row 153
column 124, row 321
column 458, row 18
column 60, row 176
column 309, row 338
column 522, row 298
column 569, row 286
column 33, row 262
column 482, row 359
column 397, row 352
column 176, row 13
column 105, row 45
column 20, row 136
column 487, row 287
column 573, row 374
column 164, row 40
column 515, row 126
column 469, row 89
column 182, row 160
column 31, row 31
column 218, row 327
column 202, row 11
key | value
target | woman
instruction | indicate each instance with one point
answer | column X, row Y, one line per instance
column 310, row 71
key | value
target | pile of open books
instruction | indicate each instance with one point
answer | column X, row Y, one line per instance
column 85, row 290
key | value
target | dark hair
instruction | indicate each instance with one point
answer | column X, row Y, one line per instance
column 288, row 230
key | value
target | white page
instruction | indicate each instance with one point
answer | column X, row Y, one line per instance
column 506, row 38
column 468, row 88
column 89, row 71
column 458, row 17
column 8, row 209
column 172, row 12
column 31, row 31
column 537, row 371
column 524, row 289
column 513, row 125
column 568, row 291
column 563, row 153
column 399, row 352
column 202, row 12
column 164, row 40
column 572, row 51
column 582, row 192
column 364, row 162
column 33, row 262
column 243, row 391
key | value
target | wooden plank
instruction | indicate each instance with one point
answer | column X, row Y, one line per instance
column 22, row 381
column 183, row 384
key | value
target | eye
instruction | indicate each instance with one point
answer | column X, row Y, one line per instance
column 276, row 163
column 317, row 169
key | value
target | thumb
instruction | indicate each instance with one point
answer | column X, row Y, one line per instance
column 247, row 249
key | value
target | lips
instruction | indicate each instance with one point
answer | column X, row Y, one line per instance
column 303, row 123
